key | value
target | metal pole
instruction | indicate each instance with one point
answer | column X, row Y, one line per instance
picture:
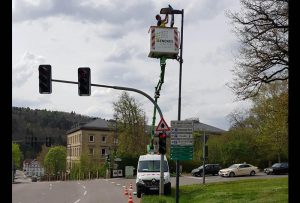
column 179, row 103
column 203, row 176
column 161, row 187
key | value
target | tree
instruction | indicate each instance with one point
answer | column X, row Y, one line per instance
column 41, row 156
column 16, row 155
column 131, row 126
column 271, row 111
column 262, row 28
column 55, row 160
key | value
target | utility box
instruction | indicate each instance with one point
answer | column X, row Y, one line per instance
column 164, row 42
column 129, row 171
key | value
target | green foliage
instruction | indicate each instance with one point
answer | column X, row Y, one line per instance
column 131, row 126
column 27, row 123
column 250, row 190
column 16, row 155
column 55, row 160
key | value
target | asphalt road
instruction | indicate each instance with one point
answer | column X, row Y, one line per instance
column 95, row 191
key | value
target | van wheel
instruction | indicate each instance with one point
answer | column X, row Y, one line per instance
column 167, row 190
column 138, row 194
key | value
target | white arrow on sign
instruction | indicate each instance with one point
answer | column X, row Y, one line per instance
column 162, row 126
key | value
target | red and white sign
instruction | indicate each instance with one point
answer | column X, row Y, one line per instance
column 162, row 126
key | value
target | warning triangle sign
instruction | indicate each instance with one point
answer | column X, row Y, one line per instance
column 162, row 126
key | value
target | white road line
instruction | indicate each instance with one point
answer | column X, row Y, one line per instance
column 112, row 182
column 84, row 193
column 77, row 201
column 78, row 183
column 118, row 184
column 83, row 186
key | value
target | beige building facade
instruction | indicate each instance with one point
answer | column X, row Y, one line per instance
column 97, row 139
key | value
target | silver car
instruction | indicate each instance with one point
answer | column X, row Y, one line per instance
column 239, row 170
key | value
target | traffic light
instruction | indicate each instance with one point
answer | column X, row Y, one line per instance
column 45, row 79
column 84, row 81
column 162, row 148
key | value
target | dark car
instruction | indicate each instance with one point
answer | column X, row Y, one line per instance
column 212, row 169
column 277, row 168
column 34, row 179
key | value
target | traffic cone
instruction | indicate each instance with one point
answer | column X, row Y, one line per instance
column 125, row 191
column 130, row 198
column 130, row 186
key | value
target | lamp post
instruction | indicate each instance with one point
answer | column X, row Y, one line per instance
column 171, row 11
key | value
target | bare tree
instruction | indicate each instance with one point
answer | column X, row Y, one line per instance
column 262, row 27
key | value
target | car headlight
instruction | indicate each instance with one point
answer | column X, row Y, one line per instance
column 166, row 179
column 140, row 181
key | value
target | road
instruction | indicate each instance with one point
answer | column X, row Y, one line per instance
column 95, row 191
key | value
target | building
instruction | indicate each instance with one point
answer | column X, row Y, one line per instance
column 32, row 167
column 97, row 138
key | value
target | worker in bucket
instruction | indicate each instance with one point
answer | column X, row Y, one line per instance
column 160, row 22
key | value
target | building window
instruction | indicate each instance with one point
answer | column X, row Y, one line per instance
column 91, row 151
column 103, row 139
column 103, row 152
column 91, row 139
column 116, row 140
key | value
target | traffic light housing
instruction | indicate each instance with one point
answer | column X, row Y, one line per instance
column 84, row 81
column 162, row 143
column 45, row 79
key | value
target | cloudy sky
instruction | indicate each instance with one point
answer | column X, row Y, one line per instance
column 111, row 37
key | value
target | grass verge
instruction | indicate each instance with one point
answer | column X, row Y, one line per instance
column 250, row 190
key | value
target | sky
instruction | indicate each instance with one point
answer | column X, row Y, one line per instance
column 111, row 37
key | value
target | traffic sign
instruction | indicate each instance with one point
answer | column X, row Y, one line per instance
column 162, row 126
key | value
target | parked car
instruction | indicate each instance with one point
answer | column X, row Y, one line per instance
column 33, row 179
column 239, row 170
column 277, row 168
column 212, row 169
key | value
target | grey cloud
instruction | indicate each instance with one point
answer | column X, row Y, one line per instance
column 42, row 101
column 123, row 75
column 25, row 68
column 117, row 13
column 206, row 10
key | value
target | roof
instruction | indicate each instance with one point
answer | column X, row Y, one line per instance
column 97, row 124
column 207, row 128
column 150, row 157
column 27, row 161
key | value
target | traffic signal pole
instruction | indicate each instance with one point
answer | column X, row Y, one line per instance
column 118, row 88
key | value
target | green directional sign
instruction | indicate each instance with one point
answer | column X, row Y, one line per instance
column 182, row 143
column 181, row 152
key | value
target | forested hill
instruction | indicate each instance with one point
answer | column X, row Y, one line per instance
column 28, row 123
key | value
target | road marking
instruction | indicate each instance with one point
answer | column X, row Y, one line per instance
column 84, row 193
column 77, row 201
column 83, row 186
column 112, row 182
column 118, row 184
column 78, row 183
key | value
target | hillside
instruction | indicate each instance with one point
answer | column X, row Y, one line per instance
column 28, row 123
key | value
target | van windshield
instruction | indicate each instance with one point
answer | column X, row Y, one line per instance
column 152, row 166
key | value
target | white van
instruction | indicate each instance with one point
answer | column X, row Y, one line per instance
column 148, row 175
